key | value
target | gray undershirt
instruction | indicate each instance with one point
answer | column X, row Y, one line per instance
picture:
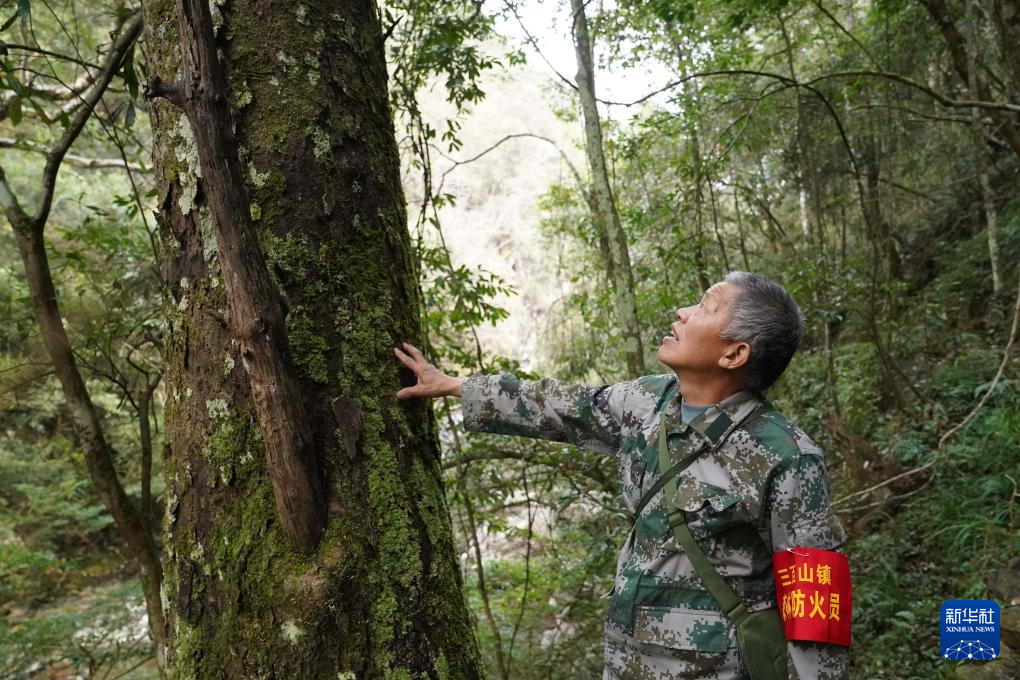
column 689, row 413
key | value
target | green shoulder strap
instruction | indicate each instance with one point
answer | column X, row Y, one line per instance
column 665, row 478
column 730, row 603
column 759, row 635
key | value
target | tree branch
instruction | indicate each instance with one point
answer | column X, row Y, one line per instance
column 530, row 39
column 113, row 61
column 904, row 80
column 53, row 92
column 72, row 159
column 48, row 53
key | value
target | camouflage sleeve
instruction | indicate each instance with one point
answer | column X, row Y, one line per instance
column 545, row 409
column 799, row 514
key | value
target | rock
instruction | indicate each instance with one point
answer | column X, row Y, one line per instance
column 1004, row 584
column 1009, row 628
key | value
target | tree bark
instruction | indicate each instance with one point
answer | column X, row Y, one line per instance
column 380, row 595
column 608, row 216
column 255, row 311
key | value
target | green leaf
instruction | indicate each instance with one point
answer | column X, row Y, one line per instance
column 127, row 72
column 7, row 24
column 37, row 108
column 15, row 110
column 129, row 115
column 24, row 11
column 16, row 85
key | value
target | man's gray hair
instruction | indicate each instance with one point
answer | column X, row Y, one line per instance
column 765, row 316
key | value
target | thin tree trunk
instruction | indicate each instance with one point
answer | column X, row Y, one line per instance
column 699, row 223
column 608, row 217
column 880, row 231
column 380, row 595
column 987, row 197
column 99, row 455
column 715, row 227
column 1005, row 16
column 740, row 229
column 991, row 220
column 805, row 222
column 830, row 367
column 145, row 437
column 957, row 46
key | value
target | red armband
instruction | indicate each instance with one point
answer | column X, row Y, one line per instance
column 814, row 594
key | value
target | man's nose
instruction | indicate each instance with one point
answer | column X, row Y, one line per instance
column 681, row 314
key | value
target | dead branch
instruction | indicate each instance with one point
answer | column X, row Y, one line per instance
column 255, row 309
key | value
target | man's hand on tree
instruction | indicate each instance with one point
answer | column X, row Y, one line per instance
column 431, row 381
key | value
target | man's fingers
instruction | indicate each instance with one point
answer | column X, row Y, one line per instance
column 413, row 351
column 412, row 357
column 406, row 360
column 408, row 392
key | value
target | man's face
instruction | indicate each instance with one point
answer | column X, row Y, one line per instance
column 696, row 343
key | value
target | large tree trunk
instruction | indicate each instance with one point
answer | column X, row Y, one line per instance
column 380, row 593
column 607, row 216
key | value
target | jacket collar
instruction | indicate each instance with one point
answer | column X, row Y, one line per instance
column 716, row 422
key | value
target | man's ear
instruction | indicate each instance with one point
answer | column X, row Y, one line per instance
column 735, row 355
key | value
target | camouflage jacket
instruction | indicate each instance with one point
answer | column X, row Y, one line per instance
column 757, row 488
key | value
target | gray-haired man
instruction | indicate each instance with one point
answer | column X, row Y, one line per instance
column 757, row 485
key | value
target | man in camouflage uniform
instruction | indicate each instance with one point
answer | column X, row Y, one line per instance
column 759, row 485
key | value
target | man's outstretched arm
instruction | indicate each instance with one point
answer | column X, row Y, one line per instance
column 591, row 417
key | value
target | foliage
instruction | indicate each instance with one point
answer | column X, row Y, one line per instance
column 106, row 631
column 862, row 197
column 56, row 536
